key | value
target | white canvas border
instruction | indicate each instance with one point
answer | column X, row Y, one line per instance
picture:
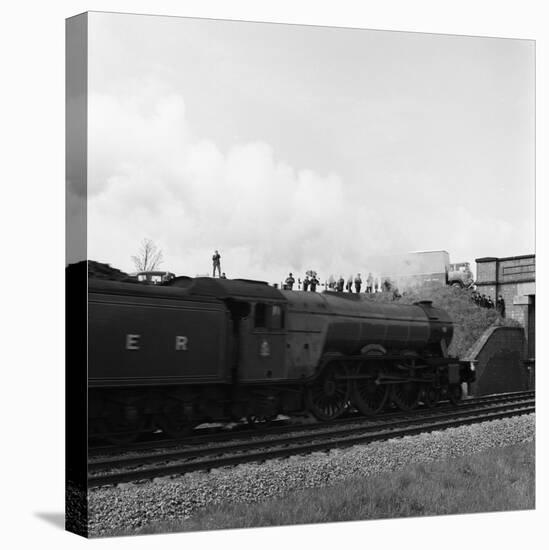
column 33, row 177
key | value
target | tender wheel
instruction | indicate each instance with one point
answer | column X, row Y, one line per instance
column 328, row 396
column 454, row 393
column 123, row 425
column 431, row 396
column 406, row 395
column 174, row 420
column 368, row 397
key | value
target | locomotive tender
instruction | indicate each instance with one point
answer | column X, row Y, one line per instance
column 193, row 350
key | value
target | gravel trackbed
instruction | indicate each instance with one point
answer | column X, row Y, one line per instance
column 133, row 505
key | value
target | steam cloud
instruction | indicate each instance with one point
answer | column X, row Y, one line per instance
column 149, row 176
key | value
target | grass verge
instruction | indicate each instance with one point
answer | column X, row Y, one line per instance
column 492, row 481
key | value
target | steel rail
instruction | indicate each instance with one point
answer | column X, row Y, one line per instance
column 261, row 430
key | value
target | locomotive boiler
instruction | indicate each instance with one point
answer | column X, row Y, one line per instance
column 202, row 349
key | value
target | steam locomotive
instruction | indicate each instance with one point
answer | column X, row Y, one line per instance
column 202, row 349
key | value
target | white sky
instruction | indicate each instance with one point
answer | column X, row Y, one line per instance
column 291, row 148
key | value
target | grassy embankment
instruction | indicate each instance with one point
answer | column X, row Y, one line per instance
column 491, row 481
column 470, row 320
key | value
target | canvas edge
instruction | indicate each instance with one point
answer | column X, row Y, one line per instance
column 76, row 103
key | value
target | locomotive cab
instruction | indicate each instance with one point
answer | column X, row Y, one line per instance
column 262, row 342
column 258, row 315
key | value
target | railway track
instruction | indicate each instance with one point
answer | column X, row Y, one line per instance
column 285, row 441
column 207, row 435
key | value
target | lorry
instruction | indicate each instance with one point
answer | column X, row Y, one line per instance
column 420, row 268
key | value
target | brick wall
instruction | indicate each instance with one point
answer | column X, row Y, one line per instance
column 487, row 270
column 499, row 355
column 516, row 269
column 512, row 276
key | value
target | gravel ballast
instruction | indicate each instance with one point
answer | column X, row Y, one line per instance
column 133, row 505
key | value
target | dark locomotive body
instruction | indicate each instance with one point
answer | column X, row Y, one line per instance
column 204, row 349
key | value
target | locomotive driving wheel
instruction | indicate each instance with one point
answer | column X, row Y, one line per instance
column 406, row 395
column 367, row 396
column 328, row 396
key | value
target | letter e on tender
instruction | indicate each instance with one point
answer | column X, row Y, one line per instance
column 132, row 341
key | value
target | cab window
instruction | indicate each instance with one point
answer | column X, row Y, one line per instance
column 268, row 316
column 260, row 320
